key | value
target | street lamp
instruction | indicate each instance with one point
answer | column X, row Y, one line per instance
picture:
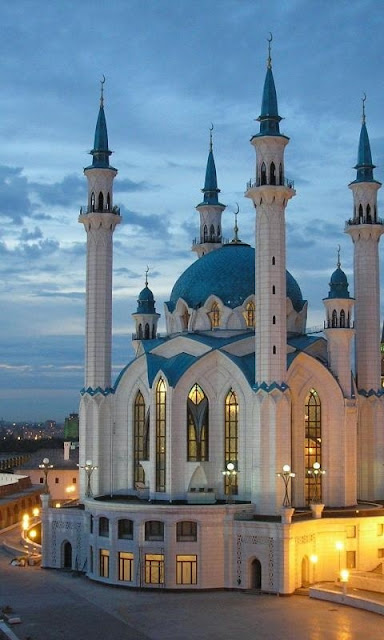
column 46, row 467
column 89, row 468
column 316, row 472
column 230, row 473
column 286, row 475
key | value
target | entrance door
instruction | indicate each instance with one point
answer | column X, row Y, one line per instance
column 67, row 553
column 256, row 574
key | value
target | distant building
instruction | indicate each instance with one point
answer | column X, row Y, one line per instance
column 17, row 497
column 63, row 478
column 71, row 427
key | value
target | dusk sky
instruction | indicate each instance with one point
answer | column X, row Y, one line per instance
column 172, row 68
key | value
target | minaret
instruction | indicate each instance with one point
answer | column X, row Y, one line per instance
column 99, row 218
column 338, row 328
column 210, row 210
column 270, row 194
column 365, row 229
column 146, row 318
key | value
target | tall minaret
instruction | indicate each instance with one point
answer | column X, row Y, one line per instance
column 210, row 210
column 270, row 194
column 365, row 228
column 99, row 219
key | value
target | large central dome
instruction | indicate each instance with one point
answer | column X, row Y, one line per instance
column 228, row 273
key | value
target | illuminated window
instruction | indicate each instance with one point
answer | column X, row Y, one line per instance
column 312, row 442
column 351, row 531
column 214, row 315
column 351, row 559
column 197, row 425
column 140, row 437
column 186, row 531
column 380, row 529
column 103, row 527
column 125, row 566
column 231, row 440
column 161, row 395
column 154, row 530
column 125, row 529
column 186, row 569
column 154, row 568
column 249, row 315
column 104, row 563
column 380, row 553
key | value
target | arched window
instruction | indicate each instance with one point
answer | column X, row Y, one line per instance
column 369, row 219
column 185, row 319
column 272, row 174
column 125, row 529
column 273, row 261
column 312, row 443
column 161, row 396
column 92, row 201
column 108, row 202
column 103, row 527
column 273, row 289
column 205, row 233
column 197, row 425
column 250, row 314
column 214, row 315
column 140, row 437
column 140, row 332
column 218, row 232
column 360, row 212
column 334, row 318
column 281, row 177
column 100, row 203
column 186, row 531
column 274, row 350
column 263, row 174
column 273, row 319
column 231, row 436
column 154, row 530
column 147, row 334
column 342, row 318
column 212, row 233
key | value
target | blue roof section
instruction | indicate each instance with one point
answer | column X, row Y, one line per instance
column 246, row 364
column 269, row 118
column 229, row 274
column 364, row 164
column 302, row 343
column 100, row 151
column 338, row 286
column 211, row 190
column 146, row 302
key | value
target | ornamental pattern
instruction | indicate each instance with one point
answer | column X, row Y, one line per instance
column 73, row 529
column 257, row 540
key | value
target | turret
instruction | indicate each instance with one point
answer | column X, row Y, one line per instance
column 210, row 210
column 146, row 318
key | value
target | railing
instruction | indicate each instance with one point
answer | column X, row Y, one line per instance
column 286, row 183
column 363, row 220
column 86, row 209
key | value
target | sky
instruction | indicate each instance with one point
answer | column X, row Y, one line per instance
column 172, row 68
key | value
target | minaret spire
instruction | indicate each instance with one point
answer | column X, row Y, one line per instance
column 210, row 209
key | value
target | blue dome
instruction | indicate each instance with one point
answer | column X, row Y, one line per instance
column 146, row 302
column 228, row 273
column 338, row 286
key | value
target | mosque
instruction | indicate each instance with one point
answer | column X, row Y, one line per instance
column 237, row 450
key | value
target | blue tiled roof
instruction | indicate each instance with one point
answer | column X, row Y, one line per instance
column 338, row 286
column 228, row 273
column 146, row 302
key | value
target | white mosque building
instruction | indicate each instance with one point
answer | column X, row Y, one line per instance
column 236, row 448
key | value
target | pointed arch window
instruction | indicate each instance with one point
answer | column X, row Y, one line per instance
column 140, row 437
column 218, row 232
column 281, row 177
column 334, row 318
column 231, row 436
column 249, row 314
column 272, row 173
column 205, row 233
column 214, row 315
column 369, row 218
column 161, row 416
column 140, row 332
column 100, row 202
column 108, row 202
column 146, row 331
column 342, row 318
column 212, row 233
column 92, row 201
column 360, row 212
column 197, row 425
column 263, row 174
column 312, row 442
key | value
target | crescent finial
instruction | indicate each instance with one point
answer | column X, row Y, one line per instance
column 146, row 276
column 269, row 61
column 363, row 101
column 338, row 256
column 102, row 90
column 210, row 136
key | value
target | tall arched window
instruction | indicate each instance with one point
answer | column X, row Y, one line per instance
column 281, row 177
column 161, row 415
column 212, row 233
column 100, row 203
column 197, row 425
column 334, row 318
column 263, row 174
column 342, row 318
column 205, row 233
column 272, row 174
column 231, row 437
column 250, row 314
column 313, row 442
column 214, row 315
column 140, row 437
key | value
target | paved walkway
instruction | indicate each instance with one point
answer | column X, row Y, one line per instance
column 55, row 605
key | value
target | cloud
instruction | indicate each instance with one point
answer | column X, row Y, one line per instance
column 15, row 203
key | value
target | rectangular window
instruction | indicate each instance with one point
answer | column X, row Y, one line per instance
column 74, row 480
column 90, row 524
column 186, row 531
column 380, row 553
column 125, row 566
column 186, row 569
column 41, row 480
column 351, row 559
column 104, row 527
column 56, row 480
column 154, row 530
column 125, row 529
column 104, row 563
column 154, row 568
column 351, row 531
column 380, row 529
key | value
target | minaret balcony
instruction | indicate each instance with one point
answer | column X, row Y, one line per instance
column 86, row 209
column 285, row 183
column 364, row 220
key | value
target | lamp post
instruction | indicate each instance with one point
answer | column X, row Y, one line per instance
column 230, row 472
column 89, row 468
column 46, row 467
column 316, row 472
column 287, row 476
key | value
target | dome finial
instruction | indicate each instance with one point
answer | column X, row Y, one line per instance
column 146, row 276
column 363, row 101
column 269, row 61
column 102, row 91
column 236, row 228
column 210, row 137
column 338, row 257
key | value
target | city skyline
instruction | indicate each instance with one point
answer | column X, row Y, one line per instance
column 172, row 70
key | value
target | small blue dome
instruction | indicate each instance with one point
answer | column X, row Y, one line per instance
column 228, row 273
column 146, row 302
column 338, row 286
